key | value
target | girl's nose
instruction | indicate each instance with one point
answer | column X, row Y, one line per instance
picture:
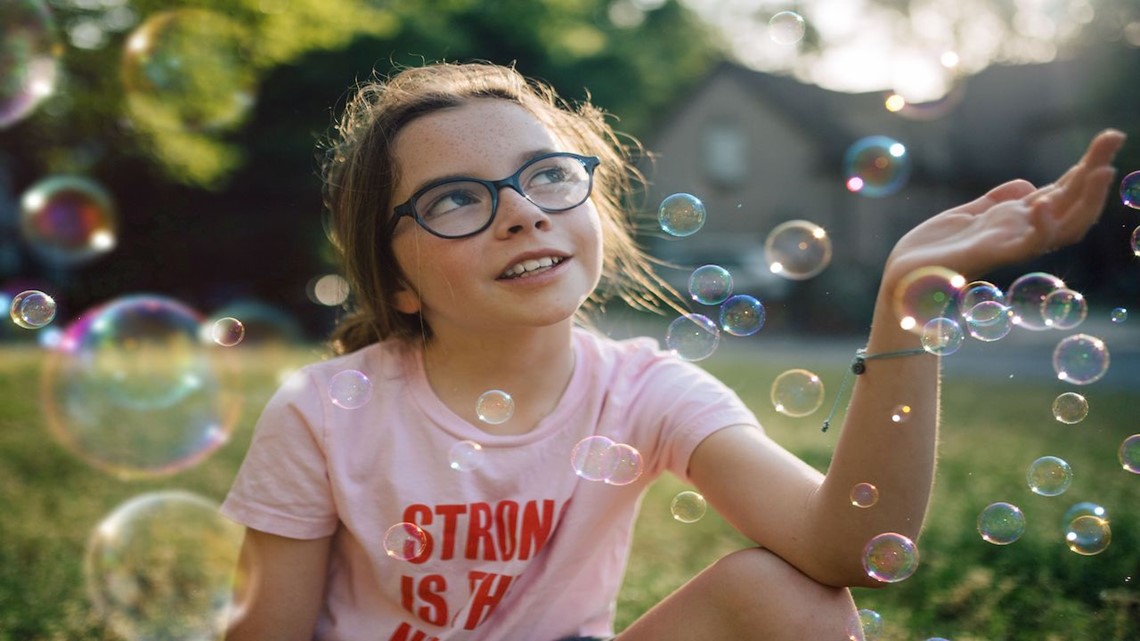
column 517, row 214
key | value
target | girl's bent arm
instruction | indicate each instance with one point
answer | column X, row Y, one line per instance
column 285, row 588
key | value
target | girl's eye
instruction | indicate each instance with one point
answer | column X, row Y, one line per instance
column 454, row 199
column 549, row 175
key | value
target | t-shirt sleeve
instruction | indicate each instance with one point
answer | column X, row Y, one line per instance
column 682, row 404
column 283, row 484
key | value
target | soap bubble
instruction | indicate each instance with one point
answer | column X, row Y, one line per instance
column 227, row 331
column 593, row 458
column 1001, row 523
column 890, row 557
column 977, row 292
column 786, row 28
column 1064, row 309
column 1081, row 359
column 132, row 389
column 901, row 413
column 161, row 566
column 68, row 220
column 32, row 309
column 1130, row 190
column 681, row 214
column 405, row 541
column 495, row 407
column 1026, row 296
column 925, row 294
column 29, row 58
column 1070, row 408
column 1129, row 454
column 1084, row 508
column 876, row 166
column 350, row 389
column 188, row 70
column 465, row 456
column 797, row 392
column 1088, row 535
column 1134, row 243
column 693, row 337
column 797, row 249
column 742, row 315
column 625, row 466
column 688, row 507
column 1049, row 476
column 1119, row 315
column 871, row 623
column 989, row 321
column 942, row 336
column 864, row 495
column 710, row 284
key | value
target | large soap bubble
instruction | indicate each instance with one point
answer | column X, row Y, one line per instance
column 29, row 58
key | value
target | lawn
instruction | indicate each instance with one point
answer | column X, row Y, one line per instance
column 965, row 589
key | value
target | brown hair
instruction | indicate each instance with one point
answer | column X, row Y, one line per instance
column 359, row 175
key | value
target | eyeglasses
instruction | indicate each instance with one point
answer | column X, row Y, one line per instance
column 461, row 207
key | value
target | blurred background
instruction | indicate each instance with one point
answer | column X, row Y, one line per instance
column 172, row 147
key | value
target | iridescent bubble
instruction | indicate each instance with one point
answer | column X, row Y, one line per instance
column 32, row 309
column 1001, row 523
column 688, row 507
column 977, row 292
column 188, row 70
column 1129, row 454
column 890, row 557
column 593, row 458
column 742, row 315
column 1130, row 190
column 797, row 392
column 68, row 220
column 1088, row 535
column 797, row 249
column 495, row 407
column 29, row 58
column 989, row 321
column 1049, row 476
column 1084, row 508
column 1064, row 309
column 626, row 466
column 710, row 284
column 786, row 28
column 925, row 294
column 161, row 566
column 405, row 541
column 1119, row 315
column 901, row 413
column 465, row 456
column 227, row 331
column 350, row 389
column 1081, row 359
column 942, row 336
column 1026, row 296
column 871, row 623
column 864, row 495
column 1070, row 408
column 681, row 214
column 693, row 337
column 876, row 166
column 1134, row 243
column 132, row 390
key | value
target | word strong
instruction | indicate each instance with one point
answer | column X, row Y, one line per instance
column 503, row 531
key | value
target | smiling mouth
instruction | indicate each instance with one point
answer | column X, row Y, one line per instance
column 528, row 268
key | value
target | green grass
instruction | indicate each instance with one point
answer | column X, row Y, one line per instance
column 965, row 589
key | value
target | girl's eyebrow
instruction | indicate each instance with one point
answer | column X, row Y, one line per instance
column 524, row 158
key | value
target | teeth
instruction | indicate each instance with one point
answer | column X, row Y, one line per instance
column 531, row 265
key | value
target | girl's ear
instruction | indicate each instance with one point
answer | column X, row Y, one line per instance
column 407, row 300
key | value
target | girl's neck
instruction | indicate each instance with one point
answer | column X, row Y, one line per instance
column 534, row 366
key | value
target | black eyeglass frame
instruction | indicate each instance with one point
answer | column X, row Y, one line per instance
column 407, row 208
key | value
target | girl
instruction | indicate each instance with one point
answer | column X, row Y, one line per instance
column 476, row 215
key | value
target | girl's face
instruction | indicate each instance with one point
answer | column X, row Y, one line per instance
column 470, row 284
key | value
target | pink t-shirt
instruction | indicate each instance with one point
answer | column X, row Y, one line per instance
column 519, row 548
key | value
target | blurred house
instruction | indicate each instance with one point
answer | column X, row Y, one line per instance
column 760, row 149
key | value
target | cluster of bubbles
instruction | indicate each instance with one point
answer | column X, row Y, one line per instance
column 162, row 566
column 599, row 458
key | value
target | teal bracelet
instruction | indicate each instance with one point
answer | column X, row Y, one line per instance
column 858, row 366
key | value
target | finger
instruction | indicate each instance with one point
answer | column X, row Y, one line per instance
column 1086, row 210
column 1100, row 152
column 1012, row 190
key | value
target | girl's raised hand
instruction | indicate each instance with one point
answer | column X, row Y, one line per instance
column 1013, row 222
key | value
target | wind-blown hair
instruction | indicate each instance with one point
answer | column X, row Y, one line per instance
column 360, row 174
